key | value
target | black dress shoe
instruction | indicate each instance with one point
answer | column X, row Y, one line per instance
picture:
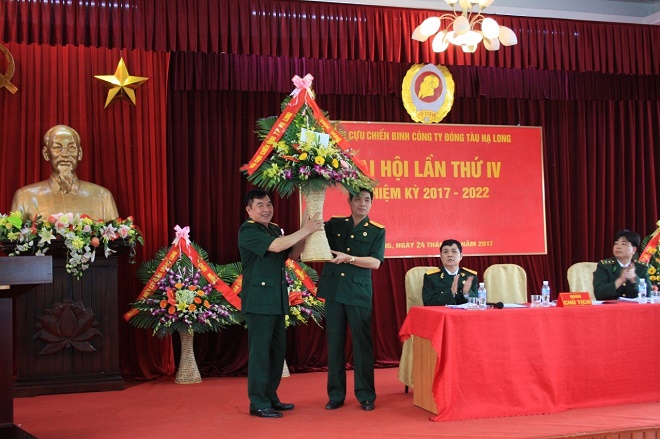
column 282, row 406
column 368, row 406
column 266, row 413
column 332, row 405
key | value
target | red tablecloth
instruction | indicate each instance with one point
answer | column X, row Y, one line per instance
column 523, row 361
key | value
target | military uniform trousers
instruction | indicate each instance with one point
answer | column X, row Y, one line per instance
column 359, row 319
column 267, row 346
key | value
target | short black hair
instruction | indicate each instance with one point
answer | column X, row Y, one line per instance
column 352, row 195
column 632, row 237
column 255, row 194
column 449, row 243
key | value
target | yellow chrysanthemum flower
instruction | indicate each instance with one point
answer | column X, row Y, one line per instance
column 319, row 160
column 78, row 243
column 652, row 270
column 335, row 163
column 303, row 156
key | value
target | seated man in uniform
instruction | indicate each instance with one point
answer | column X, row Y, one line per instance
column 620, row 276
column 63, row 191
column 451, row 284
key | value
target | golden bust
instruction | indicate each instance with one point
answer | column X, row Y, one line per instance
column 63, row 191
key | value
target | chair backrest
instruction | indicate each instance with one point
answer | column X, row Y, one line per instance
column 506, row 283
column 414, row 282
column 581, row 277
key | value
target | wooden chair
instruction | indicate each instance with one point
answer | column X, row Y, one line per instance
column 506, row 283
column 581, row 277
column 414, row 280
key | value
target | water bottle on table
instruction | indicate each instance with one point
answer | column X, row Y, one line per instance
column 641, row 291
column 481, row 294
column 545, row 294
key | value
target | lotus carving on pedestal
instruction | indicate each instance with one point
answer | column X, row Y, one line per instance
column 67, row 325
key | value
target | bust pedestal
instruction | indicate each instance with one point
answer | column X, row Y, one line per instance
column 67, row 331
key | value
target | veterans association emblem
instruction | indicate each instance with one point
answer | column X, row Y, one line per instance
column 428, row 92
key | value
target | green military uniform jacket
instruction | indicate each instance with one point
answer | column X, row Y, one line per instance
column 265, row 290
column 608, row 270
column 436, row 289
column 347, row 283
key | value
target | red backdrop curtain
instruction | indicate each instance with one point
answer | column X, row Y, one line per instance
column 593, row 87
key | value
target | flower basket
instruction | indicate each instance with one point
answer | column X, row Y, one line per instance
column 316, row 246
column 188, row 373
column 179, row 298
column 302, row 149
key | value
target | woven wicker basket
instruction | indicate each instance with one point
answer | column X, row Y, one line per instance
column 316, row 245
column 188, row 372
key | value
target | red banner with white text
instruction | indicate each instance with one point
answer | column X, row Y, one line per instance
column 479, row 184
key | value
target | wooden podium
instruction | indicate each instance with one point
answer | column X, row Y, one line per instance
column 17, row 276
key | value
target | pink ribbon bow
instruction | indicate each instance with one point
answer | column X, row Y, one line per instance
column 181, row 233
column 301, row 83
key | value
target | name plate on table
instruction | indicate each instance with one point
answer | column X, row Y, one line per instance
column 574, row 299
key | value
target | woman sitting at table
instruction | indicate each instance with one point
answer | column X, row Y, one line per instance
column 451, row 284
column 620, row 276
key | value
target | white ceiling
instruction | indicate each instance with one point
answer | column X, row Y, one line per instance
column 620, row 11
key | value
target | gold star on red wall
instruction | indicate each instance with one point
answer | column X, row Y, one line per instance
column 122, row 85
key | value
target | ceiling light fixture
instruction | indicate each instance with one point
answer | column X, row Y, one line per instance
column 467, row 28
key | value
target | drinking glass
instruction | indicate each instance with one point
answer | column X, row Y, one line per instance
column 536, row 301
column 655, row 296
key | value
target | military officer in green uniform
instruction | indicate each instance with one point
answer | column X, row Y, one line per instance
column 358, row 245
column 265, row 298
column 620, row 276
column 451, row 284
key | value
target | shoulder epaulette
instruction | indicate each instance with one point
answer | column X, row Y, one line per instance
column 607, row 261
column 433, row 271
column 380, row 226
column 643, row 264
column 470, row 271
column 250, row 221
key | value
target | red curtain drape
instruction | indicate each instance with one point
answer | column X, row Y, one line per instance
column 321, row 30
column 593, row 87
column 123, row 150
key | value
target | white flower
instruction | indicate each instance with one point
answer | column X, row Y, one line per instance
column 46, row 236
column 109, row 232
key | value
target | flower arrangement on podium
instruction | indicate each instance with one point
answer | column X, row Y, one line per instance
column 651, row 255
column 302, row 149
column 81, row 236
column 301, row 280
column 183, row 294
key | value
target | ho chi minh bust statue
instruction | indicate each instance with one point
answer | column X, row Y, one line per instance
column 63, row 191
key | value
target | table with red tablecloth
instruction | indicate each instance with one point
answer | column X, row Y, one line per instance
column 523, row 361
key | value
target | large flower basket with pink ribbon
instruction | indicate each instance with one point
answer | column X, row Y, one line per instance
column 183, row 293
column 302, row 149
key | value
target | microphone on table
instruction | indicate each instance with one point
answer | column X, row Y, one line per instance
column 498, row 305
